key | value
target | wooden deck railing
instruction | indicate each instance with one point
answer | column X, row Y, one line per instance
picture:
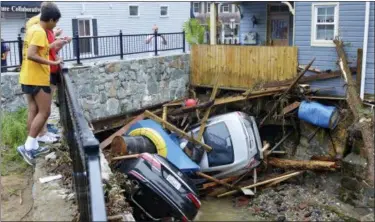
column 243, row 66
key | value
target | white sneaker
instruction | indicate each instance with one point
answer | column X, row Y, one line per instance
column 46, row 139
column 53, row 135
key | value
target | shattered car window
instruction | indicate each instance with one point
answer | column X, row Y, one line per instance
column 217, row 136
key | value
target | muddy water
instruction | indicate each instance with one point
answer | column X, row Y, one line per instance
column 223, row 209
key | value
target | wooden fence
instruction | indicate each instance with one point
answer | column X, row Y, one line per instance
column 242, row 66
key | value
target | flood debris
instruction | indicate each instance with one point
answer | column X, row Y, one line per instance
column 213, row 142
column 50, row 178
column 287, row 91
column 363, row 119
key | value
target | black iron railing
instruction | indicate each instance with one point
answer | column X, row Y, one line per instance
column 84, row 151
column 95, row 47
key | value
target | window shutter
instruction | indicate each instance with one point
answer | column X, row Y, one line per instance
column 221, row 8
column 75, row 33
column 95, row 33
column 230, row 6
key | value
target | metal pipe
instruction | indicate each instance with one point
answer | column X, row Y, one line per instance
column 365, row 45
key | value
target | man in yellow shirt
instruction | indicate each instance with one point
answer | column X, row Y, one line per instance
column 35, row 79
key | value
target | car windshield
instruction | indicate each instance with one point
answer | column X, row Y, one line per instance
column 217, row 136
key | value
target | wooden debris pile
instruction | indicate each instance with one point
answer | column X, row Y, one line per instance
column 281, row 99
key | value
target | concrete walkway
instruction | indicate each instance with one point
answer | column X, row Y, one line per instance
column 53, row 201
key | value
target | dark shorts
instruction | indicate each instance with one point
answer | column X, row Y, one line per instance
column 55, row 78
column 34, row 90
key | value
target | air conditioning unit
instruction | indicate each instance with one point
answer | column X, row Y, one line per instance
column 250, row 38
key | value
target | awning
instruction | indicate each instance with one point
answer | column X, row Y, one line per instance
column 33, row 7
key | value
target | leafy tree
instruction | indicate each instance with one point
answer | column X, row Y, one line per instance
column 194, row 31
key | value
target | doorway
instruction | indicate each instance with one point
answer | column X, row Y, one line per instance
column 278, row 25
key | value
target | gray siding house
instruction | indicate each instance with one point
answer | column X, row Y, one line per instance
column 311, row 26
column 90, row 19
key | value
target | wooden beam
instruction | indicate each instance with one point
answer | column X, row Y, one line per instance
column 212, row 184
column 215, row 180
column 180, row 132
column 359, row 68
column 263, row 182
column 310, row 78
column 207, row 113
column 132, row 156
column 120, row 132
column 302, row 164
column 232, row 99
column 165, row 110
column 291, row 107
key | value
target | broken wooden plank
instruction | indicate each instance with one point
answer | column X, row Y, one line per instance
column 270, row 89
column 207, row 113
column 280, row 180
column 212, row 184
column 120, row 132
column 227, row 185
column 132, row 156
column 291, row 107
column 177, row 102
column 232, row 99
column 171, row 127
column 286, row 92
column 165, row 110
column 310, row 78
column 301, row 67
column 263, row 182
column 302, row 164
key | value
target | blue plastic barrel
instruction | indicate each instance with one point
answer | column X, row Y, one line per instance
column 318, row 114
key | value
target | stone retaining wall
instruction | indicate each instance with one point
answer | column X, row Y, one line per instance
column 112, row 88
column 11, row 94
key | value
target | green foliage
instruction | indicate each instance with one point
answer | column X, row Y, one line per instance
column 194, row 31
column 13, row 133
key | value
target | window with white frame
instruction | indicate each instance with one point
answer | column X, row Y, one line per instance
column 325, row 21
column 197, row 7
column 225, row 7
column 208, row 6
column 163, row 11
column 85, row 30
column 133, row 10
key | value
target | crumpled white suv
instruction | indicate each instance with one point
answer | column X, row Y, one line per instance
column 235, row 142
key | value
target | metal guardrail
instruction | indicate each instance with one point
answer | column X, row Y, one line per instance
column 84, row 152
column 94, row 47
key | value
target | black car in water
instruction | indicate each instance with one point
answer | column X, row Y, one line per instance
column 163, row 192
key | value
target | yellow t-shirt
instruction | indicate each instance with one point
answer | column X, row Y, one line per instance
column 33, row 21
column 33, row 73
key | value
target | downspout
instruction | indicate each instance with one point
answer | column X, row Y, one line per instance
column 294, row 26
column 365, row 45
column 292, row 9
